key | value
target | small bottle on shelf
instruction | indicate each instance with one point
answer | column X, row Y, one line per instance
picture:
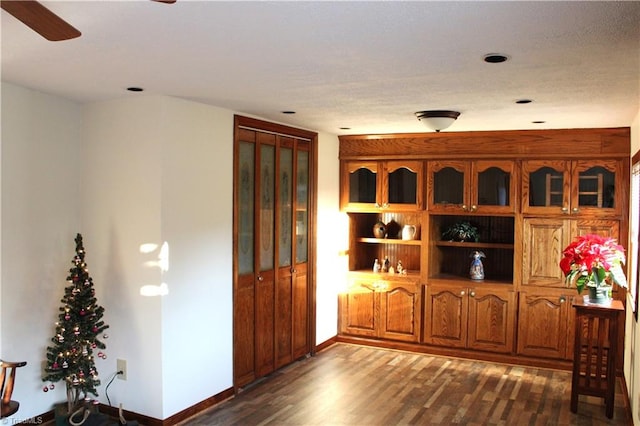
column 376, row 266
column 386, row 264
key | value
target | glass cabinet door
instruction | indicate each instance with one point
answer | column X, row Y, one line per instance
column 593, row 188
column 545, row 186
column 402, row 185
column 493, row 187
column 360, row 185
column 302, row 207
column 448, row 185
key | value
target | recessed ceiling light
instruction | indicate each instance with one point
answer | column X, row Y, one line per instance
column 524, row 101
column 135, row 89
column 345, row 128
column 538, row 122
column 288, row 112
column 495, row 58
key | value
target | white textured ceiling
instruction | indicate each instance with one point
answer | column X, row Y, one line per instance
column 364, row 65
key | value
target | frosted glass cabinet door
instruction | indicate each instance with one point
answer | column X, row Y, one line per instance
column 245, row 196
column 302, row 207
column 267, row 206
column 285, row 244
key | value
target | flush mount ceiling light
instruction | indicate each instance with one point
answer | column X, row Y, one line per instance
column 437, row 119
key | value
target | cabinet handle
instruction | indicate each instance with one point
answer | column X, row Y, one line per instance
column 472, row 294
column 565, row 210
column 293, row 270
column 464, row 207
column 575, row 210
column 462, row 293
column 474, row 208
column 260, row 278
column 563, row 299
column 385, row 206
column 377, row 206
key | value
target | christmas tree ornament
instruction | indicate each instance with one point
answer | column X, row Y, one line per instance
column 65, row 365
column 52, row 386
column 106, row 336
column 45, row 389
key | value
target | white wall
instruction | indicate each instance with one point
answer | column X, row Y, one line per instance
column 132, row 171
column 632, row 331
column 332, row 238
column 197, row 221
column 41, row 177
column 121, row 209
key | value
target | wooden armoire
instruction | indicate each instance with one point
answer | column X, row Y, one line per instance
column 273, row 266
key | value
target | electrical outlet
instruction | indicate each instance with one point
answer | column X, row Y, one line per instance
column 121, row 366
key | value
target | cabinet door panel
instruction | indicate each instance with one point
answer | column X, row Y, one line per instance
column 543, row 243
column 448, row 186
column 446, row 316
column 543, row 323
column 593, row 188
column 264, row 326
column 359, row 185
column 283, row 315
column 493, row 188
column 546, row 186
column 358, row 311
column 402, row 185
column 300, row 317
column 400, row 312
column 491, row 320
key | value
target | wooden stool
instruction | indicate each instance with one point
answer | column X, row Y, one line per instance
column 595, row 351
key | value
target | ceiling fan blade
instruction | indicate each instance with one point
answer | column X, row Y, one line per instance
column 40, row 19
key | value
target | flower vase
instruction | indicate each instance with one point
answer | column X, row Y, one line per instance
column 598, row 294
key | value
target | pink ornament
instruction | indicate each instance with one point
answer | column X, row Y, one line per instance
column 55, row 365
column 45, row 389
column 83, row 312
column 95, row 329
column 67, row 317
column 52, row 386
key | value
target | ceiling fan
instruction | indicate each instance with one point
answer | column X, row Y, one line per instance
column 43, row 21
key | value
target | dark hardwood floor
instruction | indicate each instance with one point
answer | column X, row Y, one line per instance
column 357, row 385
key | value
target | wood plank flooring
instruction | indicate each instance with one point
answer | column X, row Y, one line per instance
column 356, row 385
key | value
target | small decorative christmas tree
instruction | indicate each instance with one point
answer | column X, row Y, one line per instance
column 79, row 326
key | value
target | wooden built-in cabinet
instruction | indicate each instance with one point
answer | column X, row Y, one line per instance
column 463, row 187
column 471, row 316
column 382, row 185
column 382, row 306
column 529, row 193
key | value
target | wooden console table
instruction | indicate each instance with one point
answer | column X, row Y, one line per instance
column 594, row 356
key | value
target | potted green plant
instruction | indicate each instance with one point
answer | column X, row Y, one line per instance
column 461, row 231
column 594, row 262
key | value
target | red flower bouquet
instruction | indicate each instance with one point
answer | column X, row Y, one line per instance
column 592, row 260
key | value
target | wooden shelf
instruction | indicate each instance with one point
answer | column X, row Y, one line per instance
column 474, row 244
column 448, row 278
column 389, row 241
column 411, row 275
